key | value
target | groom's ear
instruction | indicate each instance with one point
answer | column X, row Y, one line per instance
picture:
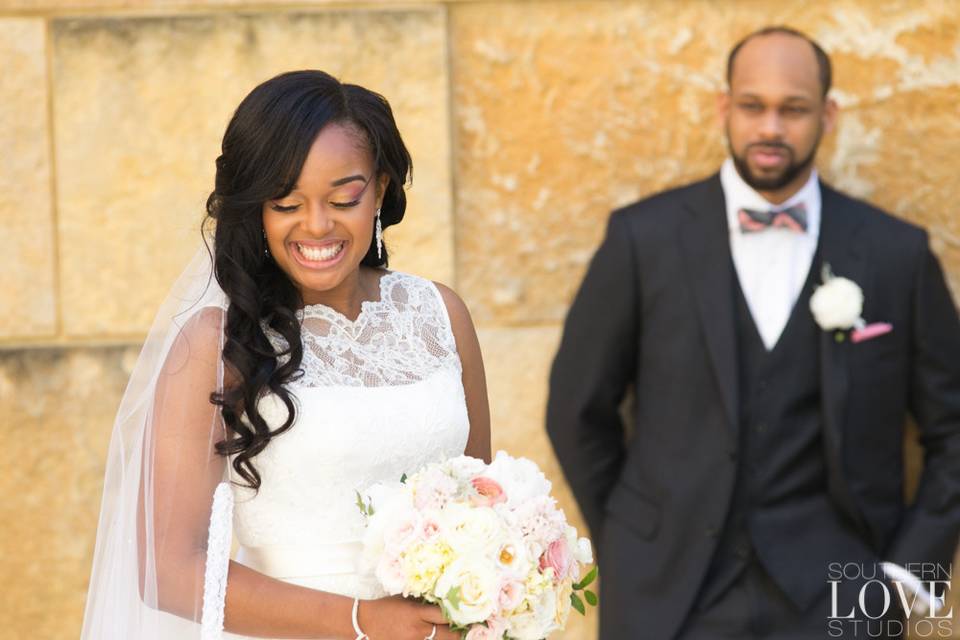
column 831, row 111
column 723, row 109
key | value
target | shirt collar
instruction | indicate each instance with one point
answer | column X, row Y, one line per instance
column 739, row 195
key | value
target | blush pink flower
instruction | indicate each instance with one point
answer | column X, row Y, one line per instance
column 489, row 492
column 511, row 595
column 557, row 557
column 493, row 630
column 390, row 574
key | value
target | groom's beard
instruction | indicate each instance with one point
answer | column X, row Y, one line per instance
column 775, row 182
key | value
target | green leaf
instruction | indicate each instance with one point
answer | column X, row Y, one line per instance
column 453, row 597
column 360, row 505
column 839, row 336
column 590, row 597
column 587, row 579
column 365, row 509
column 403, row 479
column 577, row 604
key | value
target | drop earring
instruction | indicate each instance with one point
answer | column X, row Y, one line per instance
column 379, row 235
column 266, row 249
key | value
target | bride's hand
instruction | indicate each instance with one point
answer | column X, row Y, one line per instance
column 396, row 618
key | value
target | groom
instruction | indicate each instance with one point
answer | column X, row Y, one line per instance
column 758, row 482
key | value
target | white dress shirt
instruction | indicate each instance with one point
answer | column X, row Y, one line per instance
column 772, row 265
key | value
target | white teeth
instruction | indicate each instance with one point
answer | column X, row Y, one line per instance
column 322, row 254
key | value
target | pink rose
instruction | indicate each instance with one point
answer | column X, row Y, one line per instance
column 429, row 528
column 402, row 532
column 489, row 492
column 493, row 630
column 390, row 574
column 557, row 557
column 511, row 595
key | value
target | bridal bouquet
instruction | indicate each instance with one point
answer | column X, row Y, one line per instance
column 485, row 542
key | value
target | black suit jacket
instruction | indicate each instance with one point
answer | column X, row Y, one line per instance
column 655, row 314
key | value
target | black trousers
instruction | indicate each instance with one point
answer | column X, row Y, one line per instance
column 754, row 607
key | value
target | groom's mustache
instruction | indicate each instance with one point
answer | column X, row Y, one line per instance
column 770, row 146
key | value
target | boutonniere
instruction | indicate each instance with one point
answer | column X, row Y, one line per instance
column 837, row 305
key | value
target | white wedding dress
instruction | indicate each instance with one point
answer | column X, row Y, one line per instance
column 379, row 397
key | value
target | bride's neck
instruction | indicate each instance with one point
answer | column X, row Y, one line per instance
column 348, row 296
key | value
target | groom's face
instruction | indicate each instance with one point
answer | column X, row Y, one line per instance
column 775, row 113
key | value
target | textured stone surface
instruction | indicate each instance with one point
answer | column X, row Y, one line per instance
column 56, row 412
column 140, row 107
column 565, row 110
column 28, row 260
column 517, row 364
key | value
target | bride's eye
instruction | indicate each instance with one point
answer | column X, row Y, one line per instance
column 345, row 205
column 284, row 209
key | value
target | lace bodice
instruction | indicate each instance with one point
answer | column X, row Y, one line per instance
column 379, row 397
column 401, row 338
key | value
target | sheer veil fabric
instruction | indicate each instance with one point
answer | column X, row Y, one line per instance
column 162, row 456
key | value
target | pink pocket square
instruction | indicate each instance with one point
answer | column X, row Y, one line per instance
column 871, row 331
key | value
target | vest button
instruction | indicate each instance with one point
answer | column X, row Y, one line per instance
column 712, row 532
column 733, row 455
column 760, row 428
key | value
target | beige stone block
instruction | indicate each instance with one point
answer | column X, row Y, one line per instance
column 56, row 412
column 517, row 362
column 173, row 5
column 28, row 260
column 564, row 111
column 141, row 105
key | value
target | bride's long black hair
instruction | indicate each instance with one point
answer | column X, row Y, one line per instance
column 263, row 151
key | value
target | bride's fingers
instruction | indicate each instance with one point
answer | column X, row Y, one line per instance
column 432, row 614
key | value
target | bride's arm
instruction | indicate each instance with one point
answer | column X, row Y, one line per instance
column 474, row 379
column 181, row 470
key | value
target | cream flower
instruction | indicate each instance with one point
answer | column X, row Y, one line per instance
column 469, row 590
column 837, row 303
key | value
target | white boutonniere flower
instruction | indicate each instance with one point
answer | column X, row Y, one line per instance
column 837, row 304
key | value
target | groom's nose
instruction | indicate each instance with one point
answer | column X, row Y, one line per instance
column 771, row 125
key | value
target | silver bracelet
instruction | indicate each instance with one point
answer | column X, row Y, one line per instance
column 356, row 624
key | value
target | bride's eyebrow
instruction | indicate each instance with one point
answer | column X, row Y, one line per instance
column 343, row 181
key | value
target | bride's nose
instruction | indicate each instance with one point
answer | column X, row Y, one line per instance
column 318, row 221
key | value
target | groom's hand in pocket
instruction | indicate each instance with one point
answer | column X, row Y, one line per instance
column 397, row 618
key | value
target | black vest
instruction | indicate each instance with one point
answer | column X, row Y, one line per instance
column 781, row 476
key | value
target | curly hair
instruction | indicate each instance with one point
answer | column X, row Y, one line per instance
column 263, row 151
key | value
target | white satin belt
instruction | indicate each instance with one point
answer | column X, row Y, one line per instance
column 296, row 561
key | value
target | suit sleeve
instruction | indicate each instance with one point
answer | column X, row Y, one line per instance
column 932, row 523
column 594, row 365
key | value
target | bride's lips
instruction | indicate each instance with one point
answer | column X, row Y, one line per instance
column 318, row 255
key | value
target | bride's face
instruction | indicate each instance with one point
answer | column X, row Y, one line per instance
column 320, row 231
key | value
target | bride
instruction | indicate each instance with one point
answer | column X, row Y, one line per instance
column 285, row 372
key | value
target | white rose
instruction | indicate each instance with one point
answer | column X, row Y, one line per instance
column 513, row 557
column 580, row 547
column 520, row 478
column 477, row 588
column 471, row 529
column 537, row 620
column 837, row 303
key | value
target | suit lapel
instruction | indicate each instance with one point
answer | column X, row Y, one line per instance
column 704, row 241
column 847, row 258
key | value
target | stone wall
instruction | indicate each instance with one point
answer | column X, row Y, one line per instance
column 527, row 121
